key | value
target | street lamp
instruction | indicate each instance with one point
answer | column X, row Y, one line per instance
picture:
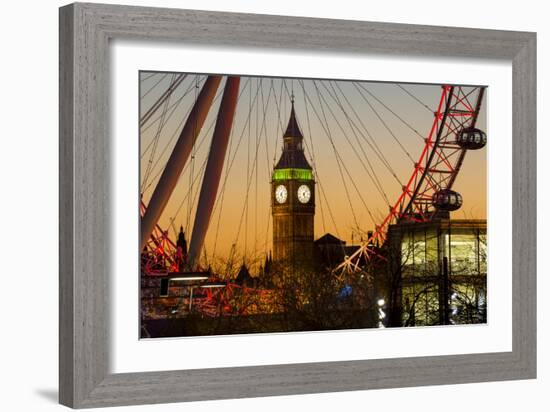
column 213, row 285
column 195, row 277
column 191, row 280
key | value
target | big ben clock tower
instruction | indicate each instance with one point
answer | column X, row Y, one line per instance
column 293, row 202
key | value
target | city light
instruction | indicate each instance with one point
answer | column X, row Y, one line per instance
column 213, row 285
column 189, row 278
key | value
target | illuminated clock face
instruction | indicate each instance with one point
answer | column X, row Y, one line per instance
column 304, row 194
column 281, row 194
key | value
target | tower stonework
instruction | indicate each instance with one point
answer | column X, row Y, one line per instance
column 293, row 203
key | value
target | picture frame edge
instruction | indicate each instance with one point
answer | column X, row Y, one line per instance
column 84, row 378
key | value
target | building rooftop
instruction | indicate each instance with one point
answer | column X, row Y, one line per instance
column 329, row 239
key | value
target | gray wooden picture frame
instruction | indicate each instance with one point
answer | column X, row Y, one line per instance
column 85, row 31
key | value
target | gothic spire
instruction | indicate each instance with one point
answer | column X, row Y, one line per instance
column 293, row 130
column 293, row 153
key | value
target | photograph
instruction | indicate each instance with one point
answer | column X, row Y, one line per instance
column 277, row 205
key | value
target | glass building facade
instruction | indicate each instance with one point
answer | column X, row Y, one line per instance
column 440, row 269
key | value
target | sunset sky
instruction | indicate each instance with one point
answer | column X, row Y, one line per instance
column 329, row 114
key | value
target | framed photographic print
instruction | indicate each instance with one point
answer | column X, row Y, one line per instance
column 281, row 188
column 285, row 227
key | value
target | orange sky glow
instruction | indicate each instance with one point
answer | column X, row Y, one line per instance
column 335, row 118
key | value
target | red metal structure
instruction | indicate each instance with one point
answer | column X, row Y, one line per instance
column 436, row 169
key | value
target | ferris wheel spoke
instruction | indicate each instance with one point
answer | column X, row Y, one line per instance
column 339, row 162
column 370, row 169
column 415, row 98
column 156, row 138
column 367, row 136
column 145, row 78
column 162, row 77
column 407, row 124
column 177, row 80
column 326, row 129
column 384, row 123
column 173, row 108
column 317, row 173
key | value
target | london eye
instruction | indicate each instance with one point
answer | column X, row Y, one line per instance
column 210, row 146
